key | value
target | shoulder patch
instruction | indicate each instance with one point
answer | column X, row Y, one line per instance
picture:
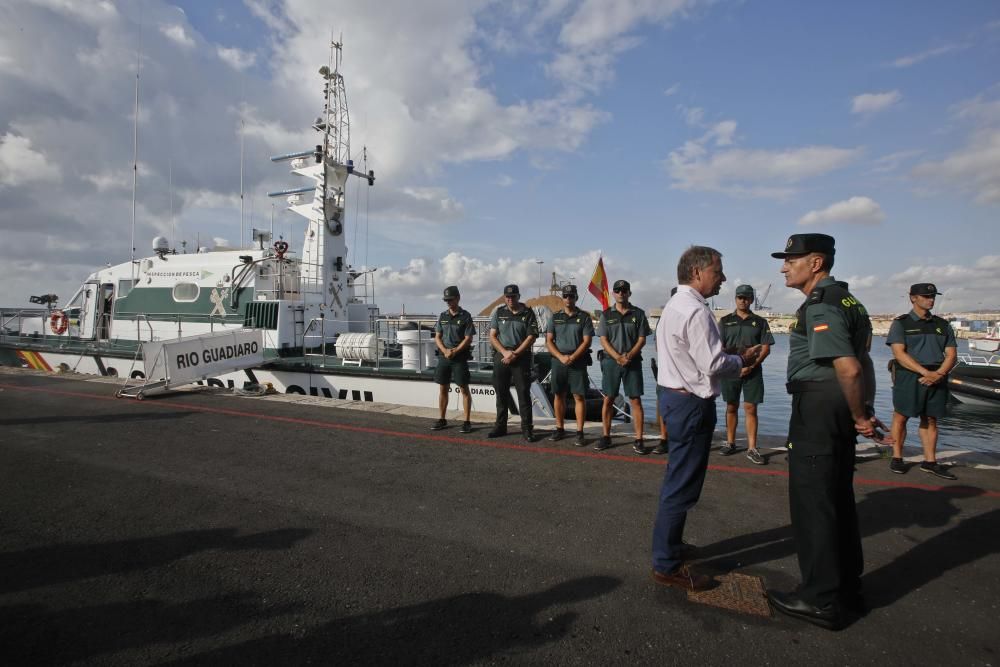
column 816, row 296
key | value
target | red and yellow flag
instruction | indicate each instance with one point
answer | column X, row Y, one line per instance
column 599, row 284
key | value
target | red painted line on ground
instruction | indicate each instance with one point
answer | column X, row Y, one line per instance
column 956, row 490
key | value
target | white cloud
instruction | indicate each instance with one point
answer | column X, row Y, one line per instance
column 871, row 103
column 892, row 161
column 752, row 173
column 177, row 34
column 967, row 286
column 238, row 59
column 913, row 59
column 863, row 282
column 504, row 181
column 21, row 164
column 974, row 168
column 853, row 211
column 93, row 12
column 672, row 90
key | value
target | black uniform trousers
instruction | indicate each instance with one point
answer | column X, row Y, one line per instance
column 517, row 373
column 821, row 447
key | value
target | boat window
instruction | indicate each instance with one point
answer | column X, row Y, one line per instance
column 124, row 287
column 186, row 292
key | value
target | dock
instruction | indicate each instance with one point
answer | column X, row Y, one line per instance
column 202, row 527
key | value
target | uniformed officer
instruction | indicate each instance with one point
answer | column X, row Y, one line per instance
column 623, row 329
column 832, row 383
column 924, row 351
column 513, row 329
column 742, row 329
column 453, row 334
column 568, row 338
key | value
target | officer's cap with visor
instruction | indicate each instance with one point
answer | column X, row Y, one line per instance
column 512, row 290
column 451, row 292
column 803, row 244
column 924, row 289
column 745, row 290
column 622, row 285
column 569, row 290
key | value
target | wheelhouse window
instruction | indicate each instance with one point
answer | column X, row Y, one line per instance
column 186, row 292
column 124, row 287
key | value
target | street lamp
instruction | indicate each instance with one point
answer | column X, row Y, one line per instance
column 539, row 263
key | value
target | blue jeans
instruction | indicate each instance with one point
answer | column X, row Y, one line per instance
column 690, row 424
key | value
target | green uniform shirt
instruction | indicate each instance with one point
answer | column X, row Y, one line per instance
column 925, row 339
column 568, row 331
column 453, row 329
column 513, row 328
column 831, row 323
column 623, row 331
column 739, row 333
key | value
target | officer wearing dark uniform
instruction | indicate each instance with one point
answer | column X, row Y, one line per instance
column 832, row 383
column 513, row 328
column 623, row 329
column 568, row 340
column 742, row 329
column 453, row 334
column 924, row 351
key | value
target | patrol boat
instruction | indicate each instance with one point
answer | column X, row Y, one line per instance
column 310, row 321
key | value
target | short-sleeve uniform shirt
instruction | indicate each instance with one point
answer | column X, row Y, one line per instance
column 453, row 329
column 513, row 328
column 739, row 333
column 831, row 323
column 925, row 339
column 623, row 330
column 568, row 331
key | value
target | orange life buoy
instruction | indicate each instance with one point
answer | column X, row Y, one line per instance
column 58, row 322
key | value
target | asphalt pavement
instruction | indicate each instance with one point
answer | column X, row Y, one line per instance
column 201, row 527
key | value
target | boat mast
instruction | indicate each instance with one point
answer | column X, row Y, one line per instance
column 135, row 143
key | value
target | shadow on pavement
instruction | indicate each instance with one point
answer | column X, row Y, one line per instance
column 448, row 631
column 94, row 418
column 37, row 636
column 59, row 563
column 879, row 512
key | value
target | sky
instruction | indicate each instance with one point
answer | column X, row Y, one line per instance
column 511, row 132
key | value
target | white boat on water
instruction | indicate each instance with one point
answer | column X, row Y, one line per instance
column 988, row 345
column 320, row 330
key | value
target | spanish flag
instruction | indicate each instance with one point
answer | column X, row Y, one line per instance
column 599, row 284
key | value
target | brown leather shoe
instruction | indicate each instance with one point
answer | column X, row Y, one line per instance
column 684, row 578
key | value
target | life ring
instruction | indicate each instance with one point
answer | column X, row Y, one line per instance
column 58, row 322
column 280, row 248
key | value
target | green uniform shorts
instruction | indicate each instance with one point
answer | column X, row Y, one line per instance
column 573, row 377
column 615, row 376
column 912, row 399
column 752, row 388
column 450, row 371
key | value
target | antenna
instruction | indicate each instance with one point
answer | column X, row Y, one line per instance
column 242, row 134
column 135, row 136
column 170, row 196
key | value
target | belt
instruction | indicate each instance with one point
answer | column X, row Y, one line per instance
column 679, row 390
column 801, row 386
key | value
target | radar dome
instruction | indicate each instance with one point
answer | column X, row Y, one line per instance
column 161, row 244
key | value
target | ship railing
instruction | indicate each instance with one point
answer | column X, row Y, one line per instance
column 319, row 341
column 978, row 359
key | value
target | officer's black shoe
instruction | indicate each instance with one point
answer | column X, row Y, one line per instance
column 580, row 441
column 466, row 427
column 639, row 448
column 439, row 424
column 855, row 603
column 790, row 604
column 936, row 469
column 528, row 434
column 497, row 432
column 557, row 435
column 603, row 443
column 661, row 448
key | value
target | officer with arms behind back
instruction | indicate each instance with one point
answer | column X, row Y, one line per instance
column 623, row 329
column 453, row 334
column 832, row 383
column 742, row 329
column 513, row 328
column 924, row 351
column 568, row 340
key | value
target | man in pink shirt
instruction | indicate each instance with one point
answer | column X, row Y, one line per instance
column 691, row 364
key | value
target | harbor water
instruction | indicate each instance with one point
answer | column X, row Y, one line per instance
column 965, row 426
